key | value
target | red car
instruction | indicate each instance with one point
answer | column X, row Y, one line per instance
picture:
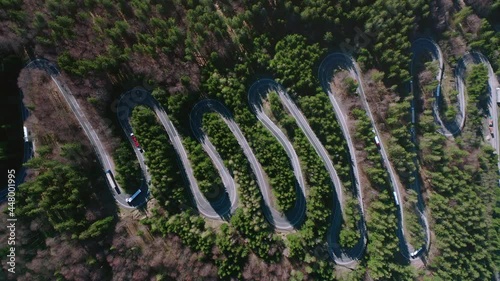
column 134, row 139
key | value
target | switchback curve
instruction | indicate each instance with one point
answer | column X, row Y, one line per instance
column 274, row 217
column 138, row 96
column 102, row 154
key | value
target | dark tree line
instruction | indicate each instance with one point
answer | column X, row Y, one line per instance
column 129, row 173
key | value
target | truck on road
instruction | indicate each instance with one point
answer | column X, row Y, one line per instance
column 131, row 198
column 377, row 141
column 25, row 132
column 396, row 197
column 111, row 181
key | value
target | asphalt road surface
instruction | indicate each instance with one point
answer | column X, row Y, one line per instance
column 346, row 62
column 326, row 74
column 195, row 121
column 478, row 58
column 257, row 92
column 102, row 154
column 274, row 217
column 428, row 46
column 449, row 129
column 213, row 210
column 221, row 208
column 340, row 256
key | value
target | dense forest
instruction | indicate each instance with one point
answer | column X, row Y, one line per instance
column 69, row 226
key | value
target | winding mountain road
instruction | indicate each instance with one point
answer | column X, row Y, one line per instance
column 262, row 88
column 228, row 202
column 344, row 61
column 478, row 58
column 325, row 74
column 195, row 121
column 102, row 154
column 427, row 46
column 274, row 217
column 138, row 96
column 214, row 210
column 257, row 92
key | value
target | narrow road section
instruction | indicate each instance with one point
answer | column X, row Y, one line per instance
column 326, row 74
column 104, row 157
column 346, row 62
column 275, row 218
column 195, row 121
column 140, row 96
column 257, row 92
column 339, row 255
column 427, row 46
column 478, row 58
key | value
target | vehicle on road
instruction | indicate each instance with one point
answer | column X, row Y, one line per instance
column 131, row 198
column 25, row 130
column 416, row 253
column 111, row 181
column 134, row 139
column 136, row 143
column 377, row 141
column 396, row 197
column 498, row 95
column 490, row 126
